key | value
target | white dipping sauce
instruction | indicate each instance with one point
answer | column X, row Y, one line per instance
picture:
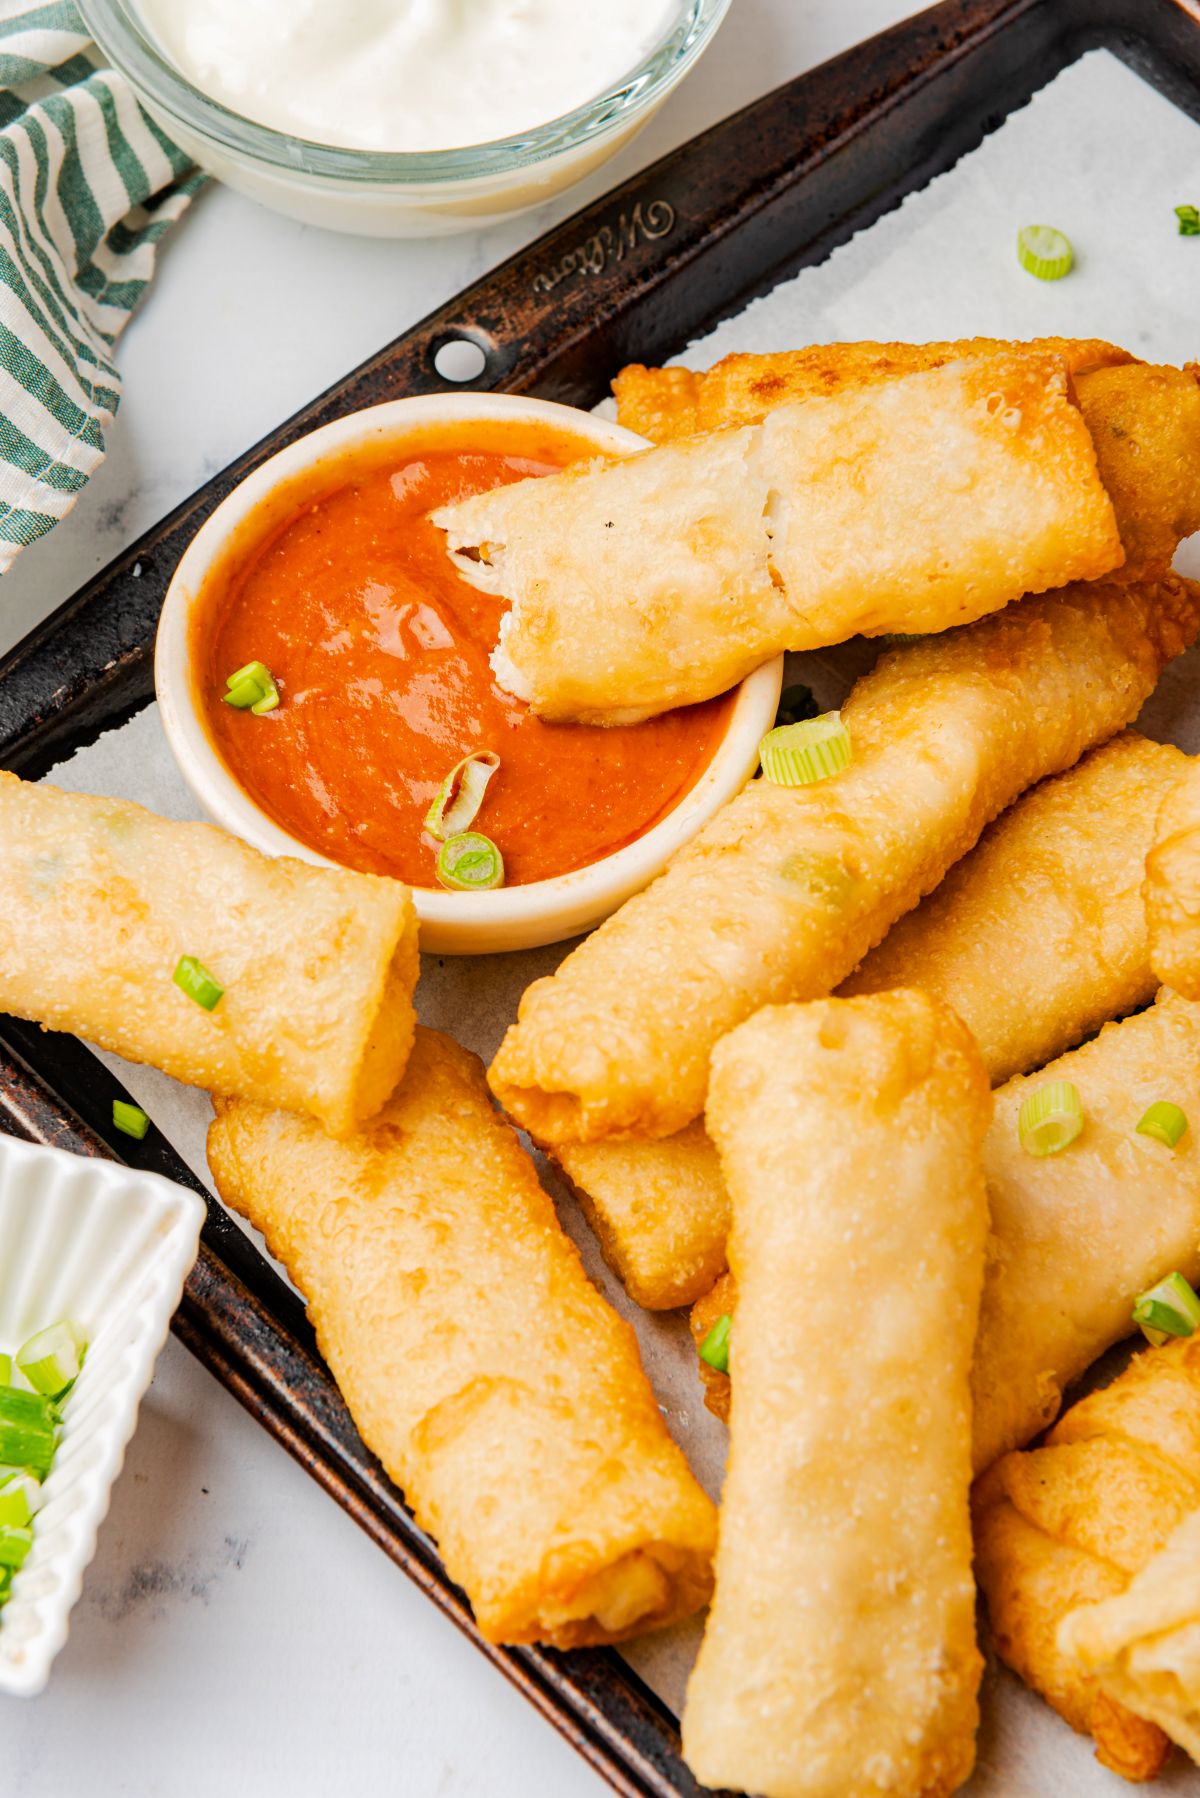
column 404, row 74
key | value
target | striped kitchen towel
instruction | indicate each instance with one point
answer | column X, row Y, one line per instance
column 88, row 187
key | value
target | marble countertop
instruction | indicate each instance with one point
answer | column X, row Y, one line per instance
column 236, row 1632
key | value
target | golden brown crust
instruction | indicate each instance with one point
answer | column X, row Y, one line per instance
column 719, row 1301
column 1172, row 890
column 498, row 1389
column 100, row 899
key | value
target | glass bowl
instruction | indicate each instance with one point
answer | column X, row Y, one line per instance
column 416, row 193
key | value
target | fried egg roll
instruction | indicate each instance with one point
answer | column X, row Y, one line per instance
column 907, row 505
column 1071, row 1523
column 1039, row 935
column 101, row 901
column 839, row 1656
column 1142, row 1646
column 1144, row 421
column 1172, row 890
column 1074, row 1236
column 781, row 895
column 479, row 1363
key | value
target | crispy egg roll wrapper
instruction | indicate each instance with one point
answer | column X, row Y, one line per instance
column 1144, row 422
column 839, row 1658
column 100, row 899
column 1172, row 890
column 661, row 404
column 500, row 1391
column 1142, row 1646
column 781, row 895
column 1035, row 938
column 1038, row 936
column 1074, row 1237
column 1071, row 1523
column 908, row 505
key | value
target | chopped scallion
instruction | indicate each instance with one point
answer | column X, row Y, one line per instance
column 5, row 1371
column 15, row 1508
column 470, row 863
column 1169, row 1309
column 15, row 1544
column 1163, row 1121
column 715, row 1347
column 20, row 1480
column 794, row 755
column 457, row 801
column 193, row 978
column 51, row 1359
column 252, row 689
column 1189, row 221
column 1050, row 1118
column 1044, row 251
column 131, row 1120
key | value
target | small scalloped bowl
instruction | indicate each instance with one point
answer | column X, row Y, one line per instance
column 110, row 1248
column 516, row 917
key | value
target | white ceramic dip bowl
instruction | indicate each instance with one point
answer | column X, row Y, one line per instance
column 510, row 917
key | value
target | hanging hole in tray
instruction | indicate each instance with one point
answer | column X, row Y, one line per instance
column 460, row 359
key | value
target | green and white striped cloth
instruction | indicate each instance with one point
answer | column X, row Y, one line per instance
column 88, row 186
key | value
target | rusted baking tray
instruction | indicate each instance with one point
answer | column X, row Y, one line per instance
column 631, row 278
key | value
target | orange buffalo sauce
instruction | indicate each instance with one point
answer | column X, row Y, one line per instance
column 380, row 652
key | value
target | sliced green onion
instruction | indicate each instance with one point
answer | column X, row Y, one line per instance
column 15, row 1544
column 1189, row 221
column 193, row 978
column 19, row 1479
column 1164, row 1122
column 5, row 1373
column 794, row 755
column 131, row 1120
column 715, row 1347
column 253, row 688
column 470, row 863
column 15, row 1510
column 51, row 1359
column 1044, row 252
column 1169, row 1309
column 457, row 801
column 5, row 1584
column 795, row 705
column 1050, row 1118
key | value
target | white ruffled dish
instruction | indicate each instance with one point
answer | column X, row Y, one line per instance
column 109, row 1248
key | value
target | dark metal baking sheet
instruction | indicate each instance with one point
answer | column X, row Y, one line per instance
column 631, row 278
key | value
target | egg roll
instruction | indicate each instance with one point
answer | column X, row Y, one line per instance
column 1142, row 1646
column 1069, row 1525
column 907, row 505
column 1144, row 422
column 661, row 404
column 499, row 1390
column 839, row 1656
column 785, row 890
column 1073, row 1236
column 101, row 900
column 1172, row 890
column 1038, row 936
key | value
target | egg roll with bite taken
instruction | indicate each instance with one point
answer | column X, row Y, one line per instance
column 782, row 894
column 908, row 505
column 305, row 974
column 839, row 1656
column 500, row 1391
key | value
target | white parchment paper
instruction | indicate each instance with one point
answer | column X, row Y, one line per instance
column 1105, row 158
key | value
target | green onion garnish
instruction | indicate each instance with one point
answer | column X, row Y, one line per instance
column 457, row 801
column 5, row 1377
column 1169, row 1309
column 27, row 1445
column 470, row 863
column 1050, row 1118
column 252, row 688
column 18, row 1479
column 715, row 1347
column 51, row 1359
column 795, row 705
column 1044, row 252
column 794, row 755
column 15, row 1509
column 15, row 1544
column 193, row 978
column 1189, row 221
column 1164, row 1122
column 131, row 1120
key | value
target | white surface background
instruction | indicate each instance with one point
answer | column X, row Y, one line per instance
column 237, row 1633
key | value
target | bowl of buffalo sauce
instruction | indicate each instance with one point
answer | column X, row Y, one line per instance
column 324, row 681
